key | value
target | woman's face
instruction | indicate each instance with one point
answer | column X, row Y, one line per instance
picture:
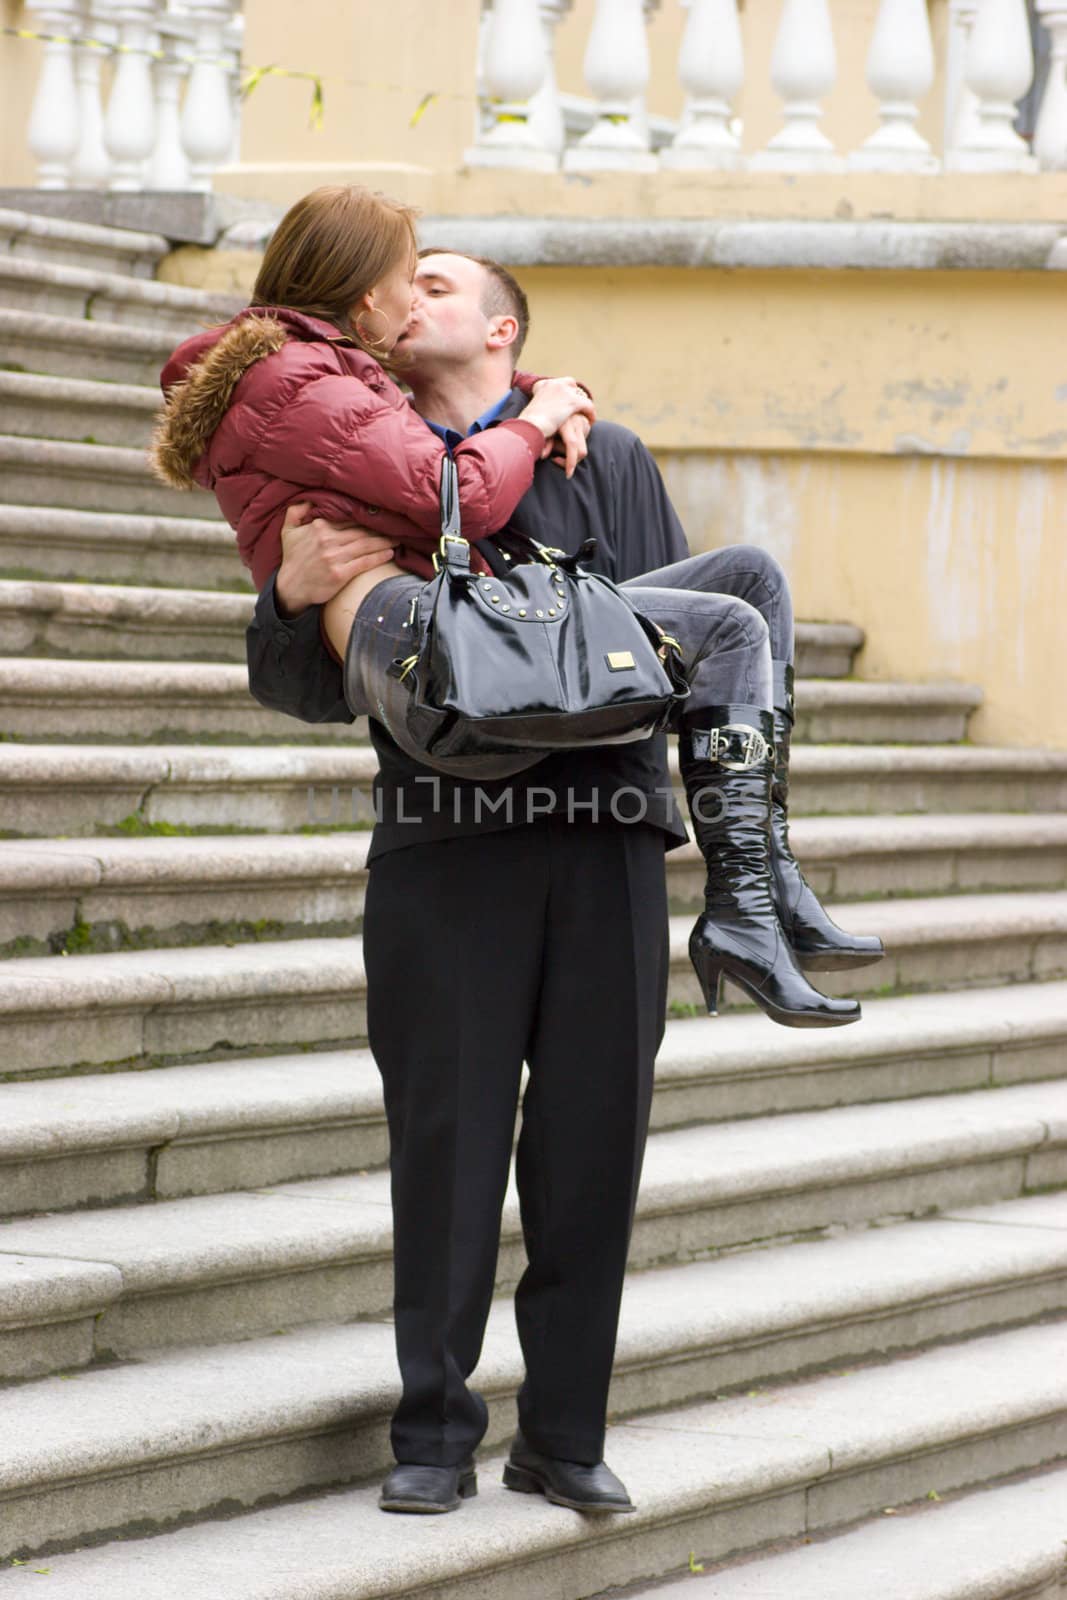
column 382, row 314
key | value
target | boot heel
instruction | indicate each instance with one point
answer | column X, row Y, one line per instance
column 709, row 976
column 468, row 1485
column 521, row 1481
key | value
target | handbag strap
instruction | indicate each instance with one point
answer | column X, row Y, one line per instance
column 456, row 550
column 450, row 518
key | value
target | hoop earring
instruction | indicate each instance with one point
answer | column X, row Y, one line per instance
column 374, row 345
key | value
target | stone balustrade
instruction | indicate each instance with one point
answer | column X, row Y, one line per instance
column 989, row 69
column 143, row 94
column 135, row 94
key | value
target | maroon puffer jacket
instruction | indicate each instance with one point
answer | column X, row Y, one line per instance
column 276, row 407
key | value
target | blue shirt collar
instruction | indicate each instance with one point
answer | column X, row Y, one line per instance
column 486, row 420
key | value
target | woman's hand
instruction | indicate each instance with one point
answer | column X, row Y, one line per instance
column 569, row 446
column 555, row 401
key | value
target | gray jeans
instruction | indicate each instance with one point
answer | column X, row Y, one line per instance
column 730, row 611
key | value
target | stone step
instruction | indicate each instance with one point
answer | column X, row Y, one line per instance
column 725, row 1476
column 79, row 789
column 57, row 289
column 165, row 1133
column 1004, row 1543
column 91, row 477
column 45, row 699
column 35, row 407
column 143, row 1007
column 122, row 893
column 28, row 236
column 247, row 1262
column 84, row 546
column 121, row 620
column 180, row 553
column 69, row 347
column 86, row 620
column 41, row 698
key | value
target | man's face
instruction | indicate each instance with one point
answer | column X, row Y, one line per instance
column 448, row 327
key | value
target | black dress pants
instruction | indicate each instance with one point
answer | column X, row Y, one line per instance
column 545, row 942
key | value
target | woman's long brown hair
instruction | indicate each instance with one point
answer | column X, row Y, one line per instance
column 329, row 249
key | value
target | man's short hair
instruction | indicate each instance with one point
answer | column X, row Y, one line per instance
column 503, row 295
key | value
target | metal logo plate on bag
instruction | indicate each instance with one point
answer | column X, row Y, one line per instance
column 620, row 661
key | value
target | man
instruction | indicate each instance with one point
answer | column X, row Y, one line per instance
column 524, row 919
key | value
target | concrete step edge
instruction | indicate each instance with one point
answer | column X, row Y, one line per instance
column 1003, row 1543
column 97, row 283
column 61, row 863
column 731, row 1475
column 41, row 388
column 212, row 1099
column 31, row 594
column 139, row 605
column 71, row 458
column 59, row 677
column 78, row 763
column 668, row 1313
column 64, row 333
column 208, row 1127
column 186, row 1246
column 190, row 974
column 16, row 224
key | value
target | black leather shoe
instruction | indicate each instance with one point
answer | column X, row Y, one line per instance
column 565, row 1483
column 412, row 1487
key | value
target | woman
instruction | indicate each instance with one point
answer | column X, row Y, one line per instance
column 291, row 402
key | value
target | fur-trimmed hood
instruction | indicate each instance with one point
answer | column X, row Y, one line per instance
column 199, row 380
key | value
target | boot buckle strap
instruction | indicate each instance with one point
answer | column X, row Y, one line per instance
column 735, row 746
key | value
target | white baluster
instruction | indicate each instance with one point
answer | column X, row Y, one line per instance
column 168, row 168
column 91, row 167
column 616, row 68
column 900, row 71
column 235, row 43
column 515, row 68
column 53, row 128
column 1050, row 135
column 961, row 103
column 130, row 123
column 803, row 70
column 999, row 69
column 711, row 66
column 546, row 115
column 638, row 105
column 207, row 114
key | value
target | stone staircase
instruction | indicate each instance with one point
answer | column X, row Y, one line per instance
column 842, row 1367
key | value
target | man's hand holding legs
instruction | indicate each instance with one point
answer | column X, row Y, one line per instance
column 319, row 558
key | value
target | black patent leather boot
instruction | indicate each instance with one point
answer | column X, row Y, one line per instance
column 818, row 943
column 726, row 764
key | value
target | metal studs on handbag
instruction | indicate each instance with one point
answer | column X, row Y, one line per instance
column 547, row 656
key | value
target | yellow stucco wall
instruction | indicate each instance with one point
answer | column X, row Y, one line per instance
column 956, row 568
column 20, row 62
column 899, row 441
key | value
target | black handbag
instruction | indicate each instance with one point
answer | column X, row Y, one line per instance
column 544, row 656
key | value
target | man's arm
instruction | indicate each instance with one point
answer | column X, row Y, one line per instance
column 289, row 667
